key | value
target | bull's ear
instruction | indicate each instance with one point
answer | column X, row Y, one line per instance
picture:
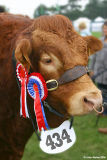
column 93, row 44
column 22, row 53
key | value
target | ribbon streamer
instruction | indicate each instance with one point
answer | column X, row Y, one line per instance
column 38, row 109
column 22, row 75
column 38, row 91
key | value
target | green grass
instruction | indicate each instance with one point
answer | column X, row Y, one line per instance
column 97, row 34
column 89, row 142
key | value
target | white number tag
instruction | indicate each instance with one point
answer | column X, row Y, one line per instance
column 58, row 140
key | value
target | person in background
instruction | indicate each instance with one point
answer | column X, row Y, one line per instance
column 83, row 30
column 98, row 66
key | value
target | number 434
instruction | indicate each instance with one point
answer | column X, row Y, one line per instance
column 59, row 139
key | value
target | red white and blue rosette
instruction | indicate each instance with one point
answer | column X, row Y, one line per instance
column 37, row 89
column 22, row 75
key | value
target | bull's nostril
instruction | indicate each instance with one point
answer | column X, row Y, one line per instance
column 88, row 101
column 93, row 103
column 85, row 99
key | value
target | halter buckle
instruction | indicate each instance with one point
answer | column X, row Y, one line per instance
column 52, row 84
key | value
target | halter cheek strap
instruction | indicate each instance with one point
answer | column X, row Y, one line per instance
column 69, row 76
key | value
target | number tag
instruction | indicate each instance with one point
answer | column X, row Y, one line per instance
column 58, row 140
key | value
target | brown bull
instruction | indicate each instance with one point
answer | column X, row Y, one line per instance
column 48, row 45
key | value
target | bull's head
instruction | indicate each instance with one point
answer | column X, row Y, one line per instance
column 51, row 47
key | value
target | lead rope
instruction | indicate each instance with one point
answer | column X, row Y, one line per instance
column 52, row 110
column 71, row 122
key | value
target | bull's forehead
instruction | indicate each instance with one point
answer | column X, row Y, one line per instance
column 71, row 51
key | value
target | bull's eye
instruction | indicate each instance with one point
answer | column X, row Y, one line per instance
column 47, row 61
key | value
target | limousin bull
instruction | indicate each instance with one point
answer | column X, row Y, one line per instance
column 48, row 45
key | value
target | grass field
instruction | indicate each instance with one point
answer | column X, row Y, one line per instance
column 97, row 34
column 90, row 144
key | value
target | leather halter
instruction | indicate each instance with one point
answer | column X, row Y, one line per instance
column 68, row 76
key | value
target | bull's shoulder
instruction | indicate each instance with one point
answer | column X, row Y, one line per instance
column 7, row 18
column 10, row 24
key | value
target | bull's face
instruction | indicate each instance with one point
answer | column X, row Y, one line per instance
column 51, row 52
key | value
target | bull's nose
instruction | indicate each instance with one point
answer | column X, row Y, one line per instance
column 93, row 102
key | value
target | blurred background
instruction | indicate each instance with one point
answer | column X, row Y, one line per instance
column 92, row 12
column 90, row 143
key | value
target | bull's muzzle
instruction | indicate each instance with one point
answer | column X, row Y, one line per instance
column 94, row 102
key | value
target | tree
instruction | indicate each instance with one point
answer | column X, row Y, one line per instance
column 3, row 9
column 74, row 14
column 92, row 9
column 103, row 9
column 96, row 8
column 73, row 4
column 41, row 10
column 71, row 9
